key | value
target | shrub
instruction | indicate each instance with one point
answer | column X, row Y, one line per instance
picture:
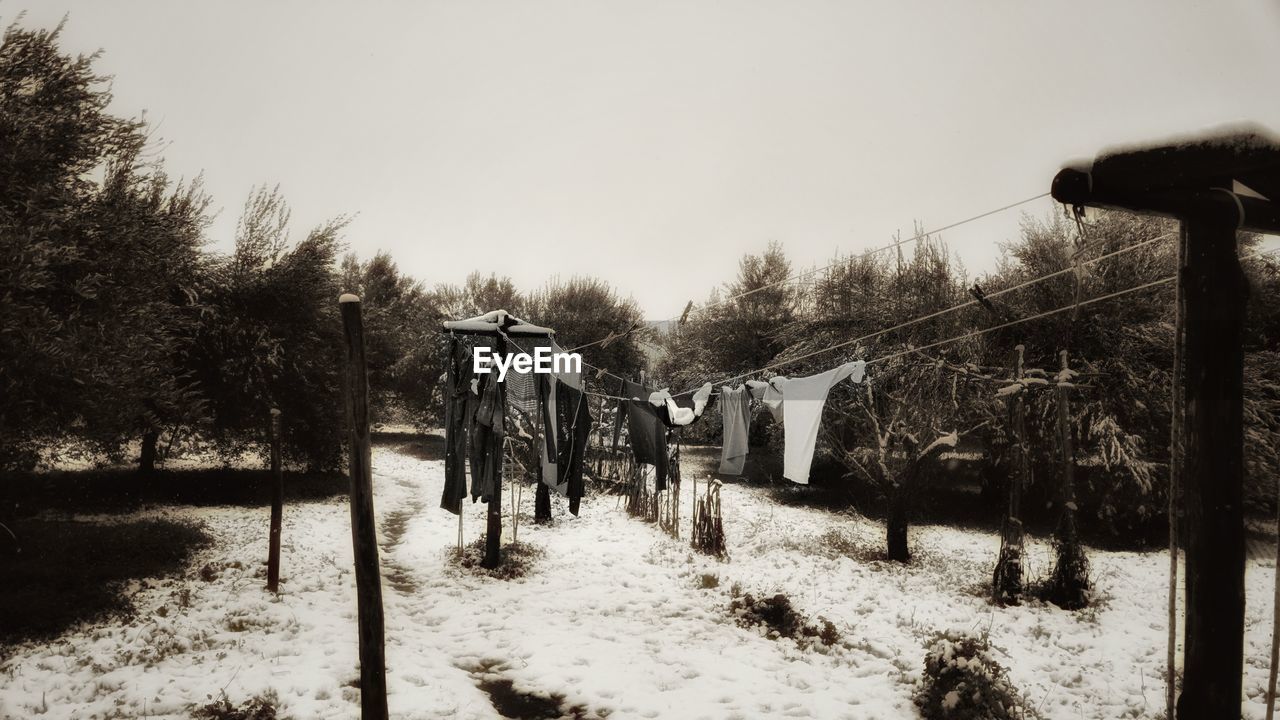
column 258, row 707
column 963, row 681
column 777, row 614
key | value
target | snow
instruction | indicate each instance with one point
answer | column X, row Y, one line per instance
column 612, row 617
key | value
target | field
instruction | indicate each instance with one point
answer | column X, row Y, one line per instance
column 611, row 618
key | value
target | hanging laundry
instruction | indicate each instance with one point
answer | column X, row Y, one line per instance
column 573, row 429
column 647, row 433
column 487, row 432
column 735, row 411
column 551, row 419
column 769, row 395
column 620, row 411
column 802, row 403
column 456, row 389
column 682, row 412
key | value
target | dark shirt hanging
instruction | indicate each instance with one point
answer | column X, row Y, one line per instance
column 648, row 433
column 487, row 420
column 457, row 387
column 573, row 430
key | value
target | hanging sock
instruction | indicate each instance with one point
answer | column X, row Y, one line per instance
column 735, row 411
column 682, row 412
column 802, row 402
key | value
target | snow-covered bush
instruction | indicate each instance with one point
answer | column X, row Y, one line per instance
column 962, row 681
column 782, row 620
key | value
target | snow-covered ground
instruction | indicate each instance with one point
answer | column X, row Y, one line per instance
column 613, row 618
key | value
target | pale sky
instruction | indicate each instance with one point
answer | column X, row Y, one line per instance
column 654, row 143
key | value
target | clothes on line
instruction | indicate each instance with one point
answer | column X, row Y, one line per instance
column 681, row 412
column 735, row 412
column 802, row 400
column 648, row 435
column 457, row 387
column 551, row 474
column 487, row 432
column 573, row 431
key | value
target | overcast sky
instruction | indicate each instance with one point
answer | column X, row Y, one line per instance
column 653, row 143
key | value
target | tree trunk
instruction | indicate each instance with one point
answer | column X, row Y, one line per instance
column 897, row 526
column 147, row 458
column 542, row 503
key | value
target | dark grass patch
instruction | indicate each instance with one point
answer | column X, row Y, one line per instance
column 516, row 705
column 422, row 446
column 515, row 561
column 69, row 572
column 777, row 614
column 117, row 490
column 519, row 705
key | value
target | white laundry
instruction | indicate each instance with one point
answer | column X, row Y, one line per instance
column 769, row 395
column 802, row 402
column 682, row 415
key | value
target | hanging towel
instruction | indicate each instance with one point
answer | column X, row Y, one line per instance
column 802, row 403
column 456, row 389
column 573, row 430
column 735, row 411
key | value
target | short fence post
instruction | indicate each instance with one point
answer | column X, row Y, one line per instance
column 373, row 677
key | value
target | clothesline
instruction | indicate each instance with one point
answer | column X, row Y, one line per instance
column 940, row 313
column 864, row 254
column 868, row 253
column 937, row 314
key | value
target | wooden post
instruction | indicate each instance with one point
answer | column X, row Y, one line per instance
column 1006, row 585
column 373, row 678
column 1215, row 292
column 1177, row 415
column 277, row 505
column 493, row 528
column 1068, row 529
column 1275, row 633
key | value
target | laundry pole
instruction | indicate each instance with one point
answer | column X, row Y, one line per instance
column 1193, row 183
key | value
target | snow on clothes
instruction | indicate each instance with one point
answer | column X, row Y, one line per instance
column 802, row 400
column 735, row 411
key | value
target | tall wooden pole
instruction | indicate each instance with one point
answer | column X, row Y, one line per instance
column 373, row 677
column 1068, row 529
column 1176, row 450
column 1216, row 292
column 1006, row 583
column 277, row 505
